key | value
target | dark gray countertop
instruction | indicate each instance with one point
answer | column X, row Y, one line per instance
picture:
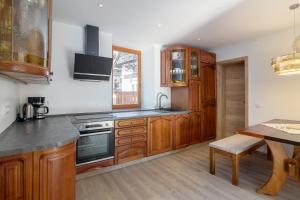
column 35, row 135
column 55, row 131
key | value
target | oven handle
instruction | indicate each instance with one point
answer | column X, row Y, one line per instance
column 97, row 133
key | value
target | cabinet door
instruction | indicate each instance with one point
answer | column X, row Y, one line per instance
column 57, row 174
column 182, row 131
column 196, row 127
column 130, row 152
column 209, row 122
column 195, row 96
column 16, row 177
column 194, row 64
column 209, row 84
column 160, row 134
column 207, row 57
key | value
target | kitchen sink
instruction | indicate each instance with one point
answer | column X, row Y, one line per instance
column 169, row 110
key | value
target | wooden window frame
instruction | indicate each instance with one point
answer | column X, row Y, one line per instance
column 139, row 54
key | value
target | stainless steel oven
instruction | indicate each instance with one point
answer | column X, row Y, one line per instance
column 96, row 142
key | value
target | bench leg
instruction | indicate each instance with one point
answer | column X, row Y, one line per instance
column 212, row 163
column 235, row 169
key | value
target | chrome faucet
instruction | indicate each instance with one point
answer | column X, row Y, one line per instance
column 160, row 96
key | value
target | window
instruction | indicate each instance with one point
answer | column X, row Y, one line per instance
column 126, row 78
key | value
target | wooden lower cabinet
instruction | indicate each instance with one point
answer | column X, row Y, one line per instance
column 55, row 178
column 16, row 177
column 41, row 175
column 130, row 152
column 182, row 131
column 131, row 139
column 195, row 127
column 160, row 131
column 209, row 122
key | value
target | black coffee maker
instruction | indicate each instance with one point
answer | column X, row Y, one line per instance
column 39, row 110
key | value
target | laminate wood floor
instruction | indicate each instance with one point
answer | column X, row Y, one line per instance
column 184, row 175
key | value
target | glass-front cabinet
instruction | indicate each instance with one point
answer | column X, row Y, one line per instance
column 25, row 30
column 194, row 63
column 174, row 67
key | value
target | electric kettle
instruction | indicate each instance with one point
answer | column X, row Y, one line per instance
column 26, row 112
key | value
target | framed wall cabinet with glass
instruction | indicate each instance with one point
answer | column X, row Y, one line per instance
column 25, row 39
column 126, row 78
column 174, row 67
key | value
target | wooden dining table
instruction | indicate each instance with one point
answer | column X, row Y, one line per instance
column 283, row 165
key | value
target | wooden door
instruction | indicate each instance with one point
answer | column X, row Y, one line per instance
column 209, row 122
column 56, row 174
column 16, row 177
column 160, row 134
column 195, row 96
column 195, row 127
column 182, row 131
column 233, row 98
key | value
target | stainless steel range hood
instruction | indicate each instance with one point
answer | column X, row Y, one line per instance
column 90, row 66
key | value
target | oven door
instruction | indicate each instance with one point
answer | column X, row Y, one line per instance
column 95, row 146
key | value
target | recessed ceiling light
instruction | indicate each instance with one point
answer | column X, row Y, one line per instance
column 159, row 25
column 100, row 5
column 198, row 39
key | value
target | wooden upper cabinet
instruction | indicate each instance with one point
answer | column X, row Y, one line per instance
column 182, row 131
column 160, row 134
column 194, row 63
column 174, row 67
column 16, row 177
column 25, row 45
column 208, row 84
column 195, row 127
column 208, row 57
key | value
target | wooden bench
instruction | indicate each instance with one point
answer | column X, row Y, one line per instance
column 234, row 147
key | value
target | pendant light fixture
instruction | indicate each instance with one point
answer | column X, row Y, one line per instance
column 290, row 63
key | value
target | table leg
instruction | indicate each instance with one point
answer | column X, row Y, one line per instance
column 278, row 177
column 297, row 157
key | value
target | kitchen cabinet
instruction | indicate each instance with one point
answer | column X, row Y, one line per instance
column 194, row 64
column 174, row 67
column 209, row 122
column 16, row 177
column 40, row 175
column 131, row 139
column 195, row 127
column 25, row 45
column 160, row 134
column 209, row 101
column 208, row 57
column 55, row 173
column 188, row 98
column 182, row 131
column 209, row 84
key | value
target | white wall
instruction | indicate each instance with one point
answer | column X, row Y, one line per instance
column 151, row 78
column 9, row 101
column 64, row 94
column 270, row 96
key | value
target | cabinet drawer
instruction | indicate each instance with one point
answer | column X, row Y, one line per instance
column 130, row 131
column 130, row 139
column 130, row 152
column 131, row 122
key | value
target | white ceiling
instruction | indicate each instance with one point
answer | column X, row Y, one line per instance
column 215, row 22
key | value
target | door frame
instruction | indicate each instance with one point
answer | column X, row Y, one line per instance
column 220, row 67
